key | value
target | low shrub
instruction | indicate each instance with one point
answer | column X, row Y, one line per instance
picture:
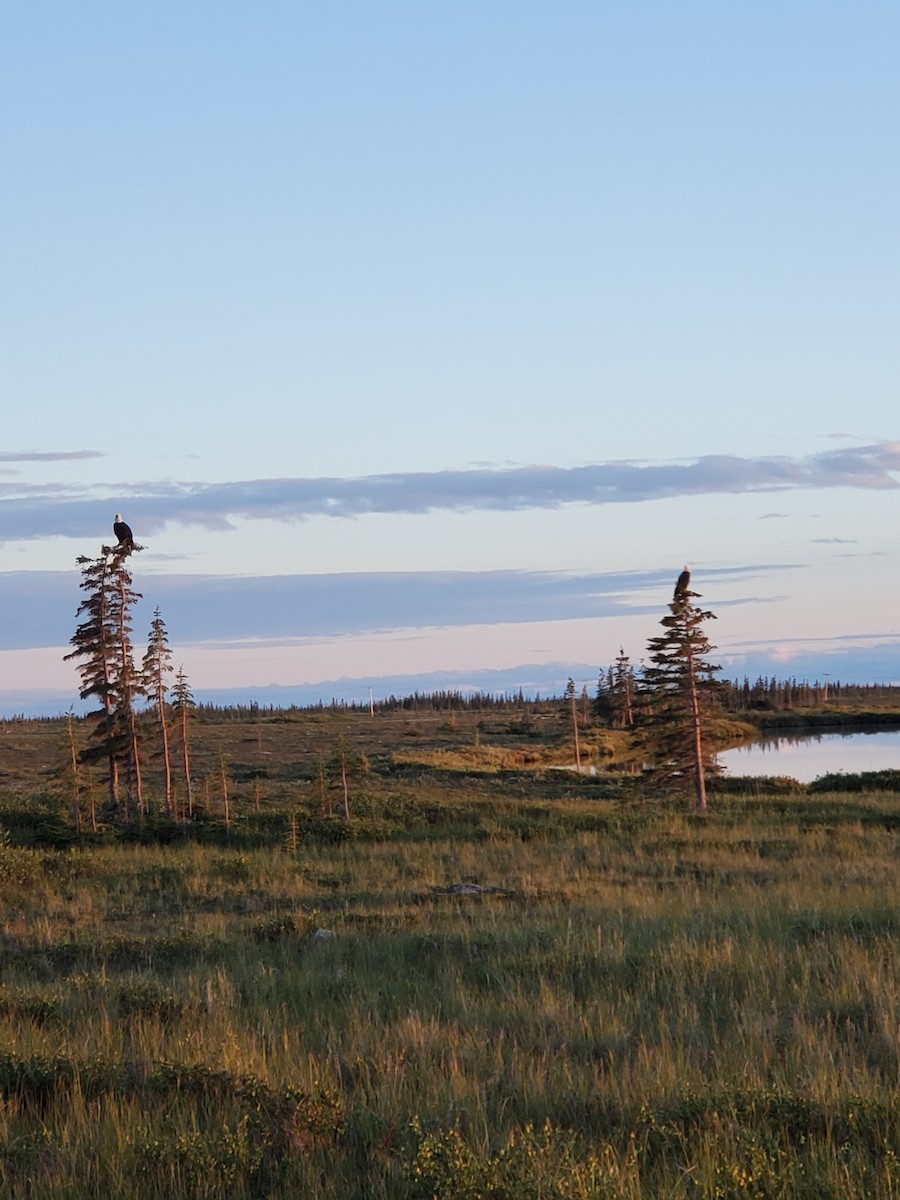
column 863, row 781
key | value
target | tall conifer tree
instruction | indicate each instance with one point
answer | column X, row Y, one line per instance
column 182, row 704
column 622, row 674
column 156, row 668
column 678, row 691
column 102, row 640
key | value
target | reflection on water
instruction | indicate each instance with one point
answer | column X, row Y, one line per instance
column 806, row 758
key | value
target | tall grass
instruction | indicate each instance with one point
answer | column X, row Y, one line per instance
column 638, row 1003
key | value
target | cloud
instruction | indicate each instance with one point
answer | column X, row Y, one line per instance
column 28, row 511
column 10, row 456
column 199, row 608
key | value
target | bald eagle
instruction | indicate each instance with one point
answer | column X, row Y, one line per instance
column 123, row 533
column 684, row 582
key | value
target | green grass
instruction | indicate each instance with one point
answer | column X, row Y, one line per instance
column 640, row 1002
column 650, row 1004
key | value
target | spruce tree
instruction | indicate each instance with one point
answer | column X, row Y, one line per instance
column 102, row 640
column 603, row 697
column 182, row 705
column 156, row 668
column 622, row 690
column 678, row 693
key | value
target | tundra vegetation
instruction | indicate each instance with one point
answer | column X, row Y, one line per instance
column 442, row 948
column 400, row 954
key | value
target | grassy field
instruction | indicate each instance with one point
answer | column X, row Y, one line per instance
column 495, row 981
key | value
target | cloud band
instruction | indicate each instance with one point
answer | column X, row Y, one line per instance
column 30, row 511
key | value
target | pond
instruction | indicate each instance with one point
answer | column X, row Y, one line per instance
column 806, row 758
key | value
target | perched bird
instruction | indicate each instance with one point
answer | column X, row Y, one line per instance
column 123, row 533
column 684, row 581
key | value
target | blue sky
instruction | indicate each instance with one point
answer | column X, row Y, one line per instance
column 431, row 340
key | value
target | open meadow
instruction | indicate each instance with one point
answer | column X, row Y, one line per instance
column 495, row 980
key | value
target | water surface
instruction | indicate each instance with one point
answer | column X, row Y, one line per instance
column 806, row 758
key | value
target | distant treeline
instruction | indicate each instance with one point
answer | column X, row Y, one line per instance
column 764, row 694
column 773, row 695
column 438, row 701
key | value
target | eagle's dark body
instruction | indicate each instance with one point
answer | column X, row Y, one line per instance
column 123, row 533
column 683, row 583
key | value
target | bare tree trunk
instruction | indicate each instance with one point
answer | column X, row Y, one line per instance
column 114, row 776
column 134, row 760
column 225, row 798
column 186, row 764
column 167, row 760
column 93, row 802
column 76, row 798
column 346, row 786
column 322, row 782
column 575, row 729
column 696, row 720
column 112, row 761
column 629, row 703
